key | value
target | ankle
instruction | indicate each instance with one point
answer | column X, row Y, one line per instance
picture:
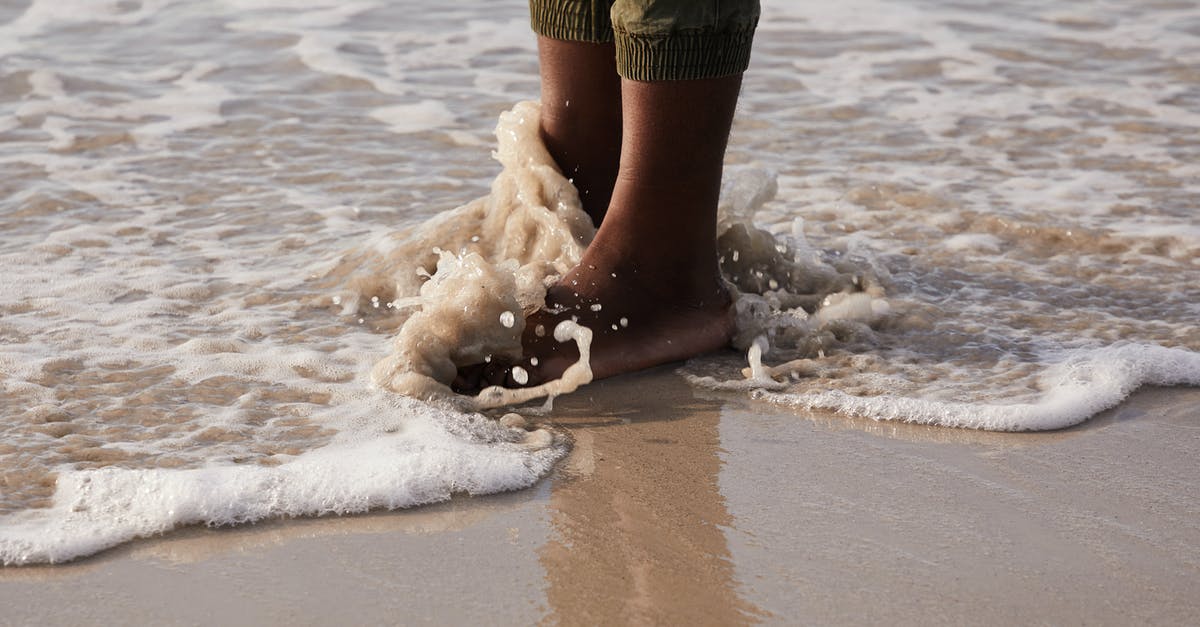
column 691, row 278
column 588, row 158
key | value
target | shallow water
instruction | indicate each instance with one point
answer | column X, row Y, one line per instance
column 1023, row 176
column 1017, row 182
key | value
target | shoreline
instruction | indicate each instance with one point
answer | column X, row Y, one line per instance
column 684, row 505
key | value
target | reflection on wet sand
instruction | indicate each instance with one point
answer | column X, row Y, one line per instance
column 638, row 514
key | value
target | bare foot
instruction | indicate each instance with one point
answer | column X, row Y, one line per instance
column 635, row 325
column 649, row 286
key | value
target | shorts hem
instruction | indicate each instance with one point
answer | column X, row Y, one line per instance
column 568, row 21
column 683, row 55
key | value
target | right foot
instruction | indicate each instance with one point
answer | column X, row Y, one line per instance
column 636, row 324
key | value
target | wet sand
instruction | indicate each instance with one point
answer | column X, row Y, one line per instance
column 685, row 507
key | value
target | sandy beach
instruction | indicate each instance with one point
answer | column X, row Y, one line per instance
column 218, row 219
column 682, row 508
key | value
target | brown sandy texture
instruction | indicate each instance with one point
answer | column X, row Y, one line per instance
column 679, row 507
column 638, row 514
column 840, row 521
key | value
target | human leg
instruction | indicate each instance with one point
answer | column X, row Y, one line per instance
column 581, row 95
column 649, row 285
column 581, row 116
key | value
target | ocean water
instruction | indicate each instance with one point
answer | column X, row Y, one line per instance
column 962, row 214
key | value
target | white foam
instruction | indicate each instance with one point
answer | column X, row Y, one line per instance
column 421, row 116
column 575, row 376
column 189, row 104
column 494, row 258
column 973, row 241
column 206, row 356
column 1081, row 386
column 41, row 14
column 851, row 306
column 389, row 455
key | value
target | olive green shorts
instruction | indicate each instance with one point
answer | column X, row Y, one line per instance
column 657, row 39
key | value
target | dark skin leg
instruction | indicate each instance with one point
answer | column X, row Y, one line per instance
column 649, row 285
column 581, row 116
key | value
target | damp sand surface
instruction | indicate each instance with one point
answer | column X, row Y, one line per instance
column 686, row 508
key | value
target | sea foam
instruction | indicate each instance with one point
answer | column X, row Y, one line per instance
column 392, row 452
column 1083, row 384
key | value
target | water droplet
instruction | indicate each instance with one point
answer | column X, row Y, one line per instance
column 614, row 327
column 736, row 254
column 474, row 238
column 508, row 319
column 539, row 331
column 596, row 307
column 519, row 375
column 624, row 322
column 533, row 361
column 773, row 284
column 487, row 359
column 337, row 300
